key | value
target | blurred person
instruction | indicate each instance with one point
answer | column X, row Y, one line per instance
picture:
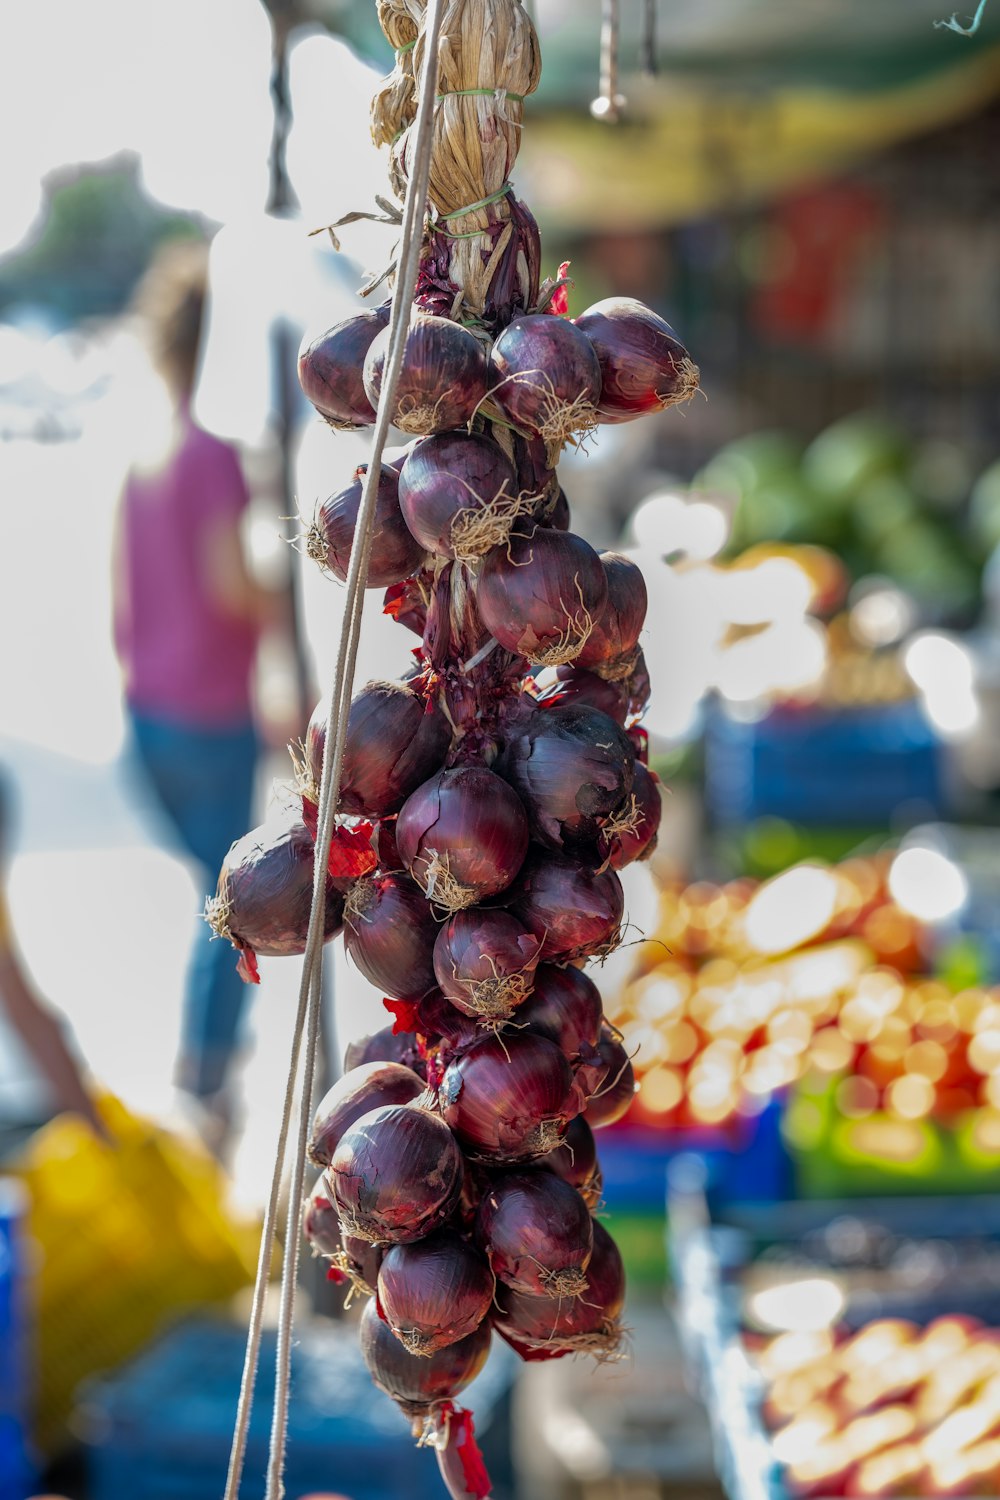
column 189, row 617
column 28, row 1013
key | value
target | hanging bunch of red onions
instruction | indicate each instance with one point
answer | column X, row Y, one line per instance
column 541, row 593
column 643, row 366
column 396, row 739
column 443, row 379
column 459, row 495
column 331, row 369
column 463, row 836
column 395, row 551
column 485, row 962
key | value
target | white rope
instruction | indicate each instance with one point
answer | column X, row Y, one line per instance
column 308, row 1013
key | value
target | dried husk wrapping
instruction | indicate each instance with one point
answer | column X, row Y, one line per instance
column 394, row 102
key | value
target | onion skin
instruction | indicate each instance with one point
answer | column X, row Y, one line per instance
column 588, row 1324
column 395, row 740
column 383, row 1046
column 545, row 377
column 510, row 1098
column 575, row 1161
column 331, row 366
column 636, row 836
column 443, row 378
column 576, row 911
column 463, row 836
column 264, row 893
column 566, row 1008
column 558, row 687
column 644, row 367
column 418, row 1385
column 613, row 1097
column 396, row 1175
column 571, row 767
column 357, row 1093
column 485, row 962
column 540, row 595
column 459, row 496
column 395, row 552
column 536, row 1230
column 435, row 1292
column 389, row 934
column 610, row 647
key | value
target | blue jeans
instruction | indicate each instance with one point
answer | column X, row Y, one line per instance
column 202, row 780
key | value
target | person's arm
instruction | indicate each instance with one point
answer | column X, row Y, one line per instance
column 228, row 578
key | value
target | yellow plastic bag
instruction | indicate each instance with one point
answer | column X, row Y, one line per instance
column 127, row 1236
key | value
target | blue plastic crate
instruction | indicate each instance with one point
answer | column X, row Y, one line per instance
column 161, row 1429
column 823, row 767
column 16, row 1473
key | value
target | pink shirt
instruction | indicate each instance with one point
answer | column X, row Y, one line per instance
column 185, row 658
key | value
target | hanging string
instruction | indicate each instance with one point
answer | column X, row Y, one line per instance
column 307, row 1015
column 648, row 60
column 485, row 93
column 609, row 103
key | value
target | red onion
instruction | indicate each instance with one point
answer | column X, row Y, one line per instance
column 264, row 895
column 576, row 911
column 565, row 1006
column 389, row 933
column 360, row 1261
column 463, row 836
column 536, row 1230
column 571, row 767
column 435, row 1292
column 485, row 962
column 631, row 832
column 588, row 1324
column 557, row 515
column 644, row 368
column 385, row 846
column 540, row 595
column 396, row 1174
column 509, row 1097
column 395, row 739
column 357, row 1093
column 383, row 1046
column 575, row 1161
column 320, row 1222
column 557, row 686
column 395, row 552
column 443, row 379
column 418, row 1384
column 459, row 495
column 444, row 1027
column 545, row 377
column 614, row 1094
column 330, row 369
column 609, row 649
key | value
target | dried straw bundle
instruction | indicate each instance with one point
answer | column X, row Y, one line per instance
column 394, row 104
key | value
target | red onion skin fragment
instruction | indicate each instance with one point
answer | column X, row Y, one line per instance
column 540, row 594
column 566, row 1325
column 509, row 1098
column 435, row 1292
column 545, row 377
column 264, row 892
column 451, row 481
column 395, row 740
column 611, row 644
column 396, row 1175
column 357, row 1093
column 485, row 961
column 443, row 379
column 395, row 552
column 463, row 836
column 644, row 366
column 571, row 767
column 417, row 1383
column 331, row 368
column 576, row 911
column 536, row 1230
column 389, row 934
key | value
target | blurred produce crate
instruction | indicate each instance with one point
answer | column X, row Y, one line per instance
column 15, row 1371
column 828, row 767
column 162, row 1428
column 128, row 1235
